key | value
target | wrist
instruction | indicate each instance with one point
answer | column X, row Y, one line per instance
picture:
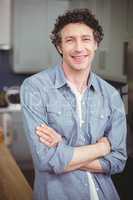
column 102, row 149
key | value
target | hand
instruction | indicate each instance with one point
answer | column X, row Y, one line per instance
column 92, row 166
column 48, row 135
column 105, row 145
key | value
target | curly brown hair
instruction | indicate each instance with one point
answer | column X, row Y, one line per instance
column 82, row 15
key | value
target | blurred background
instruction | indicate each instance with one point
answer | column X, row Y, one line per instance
column 25, row 49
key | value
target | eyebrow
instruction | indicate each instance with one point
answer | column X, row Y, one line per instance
column 87, row 35
column 71, row 36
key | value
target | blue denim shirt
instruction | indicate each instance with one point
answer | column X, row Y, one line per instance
column 46, row 98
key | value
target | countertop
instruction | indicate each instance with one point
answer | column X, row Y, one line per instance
column 12, row 108
column 13, row 185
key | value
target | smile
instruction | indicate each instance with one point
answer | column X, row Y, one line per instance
column 79, row 58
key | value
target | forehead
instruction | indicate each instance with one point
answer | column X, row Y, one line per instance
column 76, row 29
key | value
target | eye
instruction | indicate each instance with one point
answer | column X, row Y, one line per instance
column 86, row 39
column 69, row 40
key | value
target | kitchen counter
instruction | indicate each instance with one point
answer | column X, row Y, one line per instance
column 13, row 185
column 12, row 108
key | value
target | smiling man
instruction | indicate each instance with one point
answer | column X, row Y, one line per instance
column 75, row 121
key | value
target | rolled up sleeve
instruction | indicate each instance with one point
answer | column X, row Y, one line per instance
column 115, row 161
column 54, row 159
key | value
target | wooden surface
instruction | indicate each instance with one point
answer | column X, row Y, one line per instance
column 13, row 185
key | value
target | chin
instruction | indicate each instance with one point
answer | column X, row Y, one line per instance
column 80, row 67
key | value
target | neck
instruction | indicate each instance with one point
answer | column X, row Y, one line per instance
column 78, row 78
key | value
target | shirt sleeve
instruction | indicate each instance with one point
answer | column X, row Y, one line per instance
column 34, row 113
column 117, row 131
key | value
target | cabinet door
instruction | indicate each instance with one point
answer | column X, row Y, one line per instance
column 33, row 21
column 130, row 19
column 110, row 56
column 5, row 16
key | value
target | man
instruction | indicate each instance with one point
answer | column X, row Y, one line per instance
column 75, row 121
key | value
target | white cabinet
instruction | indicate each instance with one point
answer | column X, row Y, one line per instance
column 110, row 56
column 5, row 20
column 115, row 59
column 33, row 21
column 112, row 15
column 130, row 19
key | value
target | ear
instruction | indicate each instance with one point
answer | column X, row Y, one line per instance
column 96, row 46
column 59, row 49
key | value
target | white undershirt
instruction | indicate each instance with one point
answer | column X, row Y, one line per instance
column 78, row 95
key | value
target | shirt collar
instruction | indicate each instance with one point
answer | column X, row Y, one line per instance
column 60, row 79
column 92, row 82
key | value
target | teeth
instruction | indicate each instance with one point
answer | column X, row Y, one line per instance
column 78, row 57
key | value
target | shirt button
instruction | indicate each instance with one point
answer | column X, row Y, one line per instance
column 59, row 112
column 86, row 184
column 102, row 116
column 97, row 188
column 83, row 103
column 82, row 138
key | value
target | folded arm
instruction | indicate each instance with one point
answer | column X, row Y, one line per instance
column 84, row 157
column 59, row 158
column 114, row 161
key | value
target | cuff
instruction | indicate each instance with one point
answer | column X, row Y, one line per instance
column 105, row 165
column 63, row 155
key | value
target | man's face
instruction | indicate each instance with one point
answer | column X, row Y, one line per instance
column 78, row 46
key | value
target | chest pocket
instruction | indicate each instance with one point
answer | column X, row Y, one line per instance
column 59, row 112
column 99, row 124
column 60, row 118
column 53, row 113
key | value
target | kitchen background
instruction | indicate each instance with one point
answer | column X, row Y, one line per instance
column 25, row 49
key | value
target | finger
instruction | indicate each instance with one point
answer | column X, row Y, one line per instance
column 42, row 140
column 51, row 133
column 46, row 130
column 42, row 134
column 48, row 138
column 103, row 139
column 53, row 141
column 49, row 144
column 45, row 137
column 42, row 131
column 53, row 144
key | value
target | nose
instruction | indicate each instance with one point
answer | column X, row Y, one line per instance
column 78, row 46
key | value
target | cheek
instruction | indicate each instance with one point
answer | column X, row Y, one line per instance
column 92, row 50
column 66, row 52
column 92, row 55
column 67, row 48
column 91, row 46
